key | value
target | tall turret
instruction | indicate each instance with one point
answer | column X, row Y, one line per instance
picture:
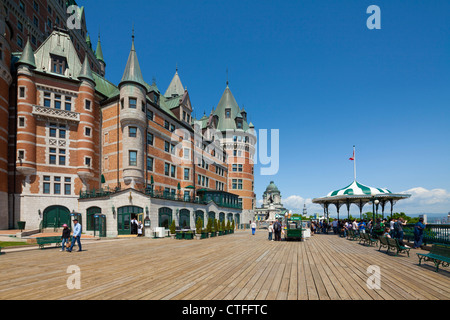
column 133, row 120
column 99, row 56
column 85, row 131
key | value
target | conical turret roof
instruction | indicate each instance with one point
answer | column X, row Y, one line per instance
column 98, row 51
column 132, row 71
column 227, row 101
column 86, row 72
column 27, row 56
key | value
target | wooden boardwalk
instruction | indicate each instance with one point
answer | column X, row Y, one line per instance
column 238, row 266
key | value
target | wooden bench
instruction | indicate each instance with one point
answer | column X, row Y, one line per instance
column 439, row 254
column 41, row 241
column 395, row 245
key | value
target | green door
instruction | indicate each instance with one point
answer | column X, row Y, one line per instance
column 124, row 216
column 185, row 220
column 55, row 217
column 164, row 217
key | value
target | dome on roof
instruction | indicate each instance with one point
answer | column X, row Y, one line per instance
column 356, row 188
column 272, row 187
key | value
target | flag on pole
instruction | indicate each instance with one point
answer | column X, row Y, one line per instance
column 353, row 157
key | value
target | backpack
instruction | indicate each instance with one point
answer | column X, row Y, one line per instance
column 276, row 226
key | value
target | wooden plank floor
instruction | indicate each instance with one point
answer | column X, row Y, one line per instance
column 238, row 266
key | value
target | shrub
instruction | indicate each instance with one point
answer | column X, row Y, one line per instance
column 199, row 225
column 209, row 225
column 172, row 227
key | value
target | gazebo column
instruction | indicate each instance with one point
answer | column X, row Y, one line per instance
column 360, row 209
column 383, row 203
column 337, row 208
column 347, row 202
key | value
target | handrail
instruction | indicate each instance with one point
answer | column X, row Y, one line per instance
column 433, row 233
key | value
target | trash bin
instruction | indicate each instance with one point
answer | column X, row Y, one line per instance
column 21, row 225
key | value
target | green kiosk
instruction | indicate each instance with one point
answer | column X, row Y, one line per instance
column 293, row 228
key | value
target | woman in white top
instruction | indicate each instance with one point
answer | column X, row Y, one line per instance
column 253, row 227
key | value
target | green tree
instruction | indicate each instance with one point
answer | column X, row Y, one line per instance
column 209, row 225
column 199, row 225
column 172, row 227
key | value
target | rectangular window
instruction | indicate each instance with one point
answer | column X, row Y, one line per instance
column 150, row 115
column 47, row 187
column 19, row 41
column 36, row 21
column 68, row 105
column 132, row 132
column 62, row 133
column 173, row 171
column 166, row 169
column 21, row 122
column 62, row 160
column 172, row 128
column 227, row 113
column 87, row 161
column 150, row 139
column 186, row 174
column 47, row 100
column 166, row 124
column 67, row 188
column 57, row 188
column 132, row 158
column 87, row 104
column 59, row 64
column 20, row 26
column 87, row 132
column 234, row 184
column 57, row 101
column 52, row 156
column 186, row 153
column 132, row 103
column 166, row 146
column 149, row 163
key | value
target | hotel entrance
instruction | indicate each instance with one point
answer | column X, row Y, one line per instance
column 124, row 217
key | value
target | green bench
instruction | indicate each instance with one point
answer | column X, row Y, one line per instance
column 367, row 239
column 392, row 244
column 41, row 241
column 439, row 254
column 352, row 235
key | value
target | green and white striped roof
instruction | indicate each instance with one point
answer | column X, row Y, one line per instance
column 356, row 188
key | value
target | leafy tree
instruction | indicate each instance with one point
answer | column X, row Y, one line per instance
column 209, row 225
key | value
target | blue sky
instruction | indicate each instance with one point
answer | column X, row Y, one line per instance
column 314, row 71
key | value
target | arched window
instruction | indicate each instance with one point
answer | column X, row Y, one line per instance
column 90, row 213
column 164, row 217
column 185, row 221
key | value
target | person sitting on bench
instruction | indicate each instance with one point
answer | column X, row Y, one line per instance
column 386, row 234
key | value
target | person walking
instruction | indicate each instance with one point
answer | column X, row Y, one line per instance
column 76, row 235
column 419, row 227
column 253, row 228
column 65, row 237
column 277, row 230
column 270, row 229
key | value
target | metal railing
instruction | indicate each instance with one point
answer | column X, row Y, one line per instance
column 433, row 233
column 157, row 194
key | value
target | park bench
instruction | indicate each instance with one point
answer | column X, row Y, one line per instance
column 439, row 254
column 41, row 241
column 383, row 243
column 395, row 245
column 366, row 238
column 352, row 235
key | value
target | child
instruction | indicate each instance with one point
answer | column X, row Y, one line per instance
column 65, row 236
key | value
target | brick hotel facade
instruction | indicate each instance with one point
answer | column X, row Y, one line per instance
column 74, row 144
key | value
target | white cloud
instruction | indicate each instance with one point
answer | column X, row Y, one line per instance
column 296, row 202
column 421, row 197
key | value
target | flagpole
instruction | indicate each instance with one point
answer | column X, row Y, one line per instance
column 354, row 162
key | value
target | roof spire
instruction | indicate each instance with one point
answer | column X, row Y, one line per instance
column 227, row 76
column 132, row 71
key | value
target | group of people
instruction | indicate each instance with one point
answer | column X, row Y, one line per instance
column 66, row 244
column 136, row 227
column 381, row 227
column 275, row 230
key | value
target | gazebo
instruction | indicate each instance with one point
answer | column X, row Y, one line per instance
column 360, row 195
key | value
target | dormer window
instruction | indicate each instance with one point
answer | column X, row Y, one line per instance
column 227, row 113
column 59, row 64
column 239, row 124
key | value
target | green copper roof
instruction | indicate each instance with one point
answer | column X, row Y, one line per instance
column 88, row 41
column 272, row 187
column 132, row 71
column 105, row 87
column 98, row 51
column 86, row 72
column 27, row 56
column 228, row 102
column 175, row 87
